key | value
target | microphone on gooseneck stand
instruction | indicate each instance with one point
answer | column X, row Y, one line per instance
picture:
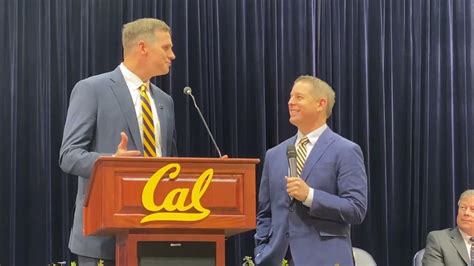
column 188, row 91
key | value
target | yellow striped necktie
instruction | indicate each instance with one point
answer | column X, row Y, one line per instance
column 301, row 155
column 149, row 143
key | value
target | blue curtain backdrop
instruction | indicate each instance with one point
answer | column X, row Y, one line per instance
column 403, row 75
column 402, row 71
column 240, row 58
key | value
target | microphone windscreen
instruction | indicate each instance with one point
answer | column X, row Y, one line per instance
column 291, row 155
column 291, row 151
column 187, row 90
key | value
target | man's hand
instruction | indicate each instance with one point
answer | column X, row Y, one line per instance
column 297, row 188
column 122, row 147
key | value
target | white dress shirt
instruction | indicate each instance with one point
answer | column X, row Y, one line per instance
column 133, row 83
column 467, row 242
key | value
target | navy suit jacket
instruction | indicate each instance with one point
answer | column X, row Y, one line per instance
column 319, row 235
column 99, row 109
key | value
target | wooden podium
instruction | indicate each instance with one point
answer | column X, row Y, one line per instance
column 114, row 205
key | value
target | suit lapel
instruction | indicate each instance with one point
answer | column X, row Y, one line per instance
column 458, row 243
column 161, row 118
column 122, row 94
column 324, row 141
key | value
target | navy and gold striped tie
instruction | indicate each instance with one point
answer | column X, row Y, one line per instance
column 301, row 155
column 149, row 143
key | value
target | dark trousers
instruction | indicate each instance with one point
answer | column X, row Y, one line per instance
column 86, row 261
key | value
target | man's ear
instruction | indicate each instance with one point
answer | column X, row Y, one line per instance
column 142, row 48
column 322, row 104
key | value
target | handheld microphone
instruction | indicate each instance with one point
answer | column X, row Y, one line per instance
column 188, row 91
column 291, row 155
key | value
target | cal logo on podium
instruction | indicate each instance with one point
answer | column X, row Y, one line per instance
column 173, row 207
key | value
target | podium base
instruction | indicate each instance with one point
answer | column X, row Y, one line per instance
column 170, row 249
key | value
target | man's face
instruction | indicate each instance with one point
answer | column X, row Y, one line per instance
column 465, row 218
column 160, row 54
column 305, row 109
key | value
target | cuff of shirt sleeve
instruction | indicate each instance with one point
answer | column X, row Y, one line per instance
column 309, row 199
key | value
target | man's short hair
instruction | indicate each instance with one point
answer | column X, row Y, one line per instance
column 467, row 193
column 321, row 90
column 143, row 28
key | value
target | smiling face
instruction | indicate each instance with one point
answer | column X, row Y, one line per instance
column 307, row 110
column 465, row 218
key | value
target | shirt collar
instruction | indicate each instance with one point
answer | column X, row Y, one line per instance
column 465, row 236
column 132, row 80
column 313, row 135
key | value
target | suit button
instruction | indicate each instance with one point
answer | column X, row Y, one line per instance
column 287, row 234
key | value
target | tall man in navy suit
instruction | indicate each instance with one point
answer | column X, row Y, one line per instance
column 308, row 218
column 105, row 118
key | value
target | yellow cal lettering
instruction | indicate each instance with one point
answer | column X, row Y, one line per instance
column 174, row 202
column 149, row 189
column 181, row 194
column 199, row 189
